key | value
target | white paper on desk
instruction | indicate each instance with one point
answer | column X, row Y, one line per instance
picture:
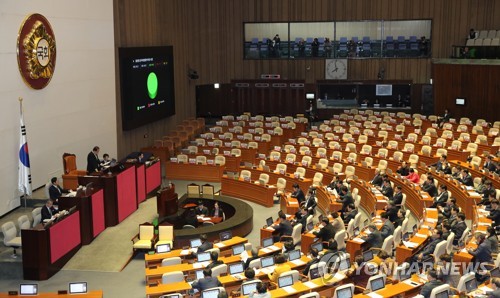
column 424, row 226
column 220, row 244
column 298, row 262
column 431, row 220
column 485, row 289
column 289, row 290
column 377, row 221
column 339, row 276
column 411, row 283
column 265, row 250
column 469, row 187
column 293, row 203
column 484, row 224
column 197, row 265
column 474, row 194
column 410, row 244
column 184, row 252
column 199, row 217
column 464, row 250
column 194, row 250
column 374, row 295
column 270, row 229
column 421, row 235
column 273, row 247
column 310, row 285
column 205, row 218
column 358, row 240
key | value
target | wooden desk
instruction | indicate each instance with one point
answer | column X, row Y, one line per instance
column 180, row 171
column 476, row 173
column 162, row 289
column 288, row 205
column 392, row 290
column 260, row 194
column 90, row 294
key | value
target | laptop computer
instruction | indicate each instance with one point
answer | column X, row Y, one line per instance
column 236, row 268
column 310, row 226
column 318, row 246
column 203, row 257
column 214, row 293
column 285, row 281
column 163, row 248
column 344, row 264
column 404, row 274
column 77, row 287
column 226, row 235
column 248, row 288
column 320, row 218
column 267, row 242
column 314, row 273
column 471, row 285
column 377, row 284
column 294, row 255
column 28, row 289
column 269, row 221
column 199, row 274
column 267, row 262
column 238, row 249
column 344, row 293
column 195, row 242
column 367, row 255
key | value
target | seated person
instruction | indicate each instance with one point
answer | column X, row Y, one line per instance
column 392, row 211
column 374, row 239
column 205, row 244
column 249, row 274
column 345, row 198
column 261, row 291
column 314, row 260
column 398, row 221
column 191, row 218
column 445, row 270
column 493, row 239
column 429, row 247
column 488, row 189
column 201, row 210
column 433, row 282
column 333, row 183
column 350, row 213
column 310, row 203
column 465, row 178
column 48, row 210
column 283, row 227
column 487, row 201
column 206, row 282
column 429, row 186
column 482, row 254
column 281, row 267
column 397, row 198
column 377, row 179
column 214, row 257
column 387, row 264
column 217, row 212
column 495, row 284
column 388, row 227
column 490, row 164
column 301, row 218
column 494, row 212
column 459, row 227
column 403, row 169
column 412, row 176
column 55, row 191
column 298, row 193
column 326, row 232
column 442, row 165
column 255, row 255
column 442, row 197
column 386, row 189
column 105, row 160
column 360, row 274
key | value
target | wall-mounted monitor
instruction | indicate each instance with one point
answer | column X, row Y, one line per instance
column 147, row 85
column 310, row 95
column 383, row 90
column 460, row 101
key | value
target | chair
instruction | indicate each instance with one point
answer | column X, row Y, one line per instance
column 219, row 270
column 322, row 163
column 349, row 172
column 472, row 148
column 246, row 175
column 220, row 160
column 263, row 178
column 172, row 277
column 310, row 295
column 374, row 277
column 145, row 239
column 463, row 280
column 70, row 176
column 290, row 158
column 366, row 149
column 382, row 165
column 449, row 243
column 382, row 152
column 23, row 222
column 193, row 150
column 171, row 261
column 340, row 288
column 398, row 235
column 281, row 168
column 37, row 216
column 256, row 264
column 306, row 161
column 337, row 168
column 387, row 245
column 165, row 235
column 280, row 185
column 294, row 273
column 296, row 234
column 188, row 227
column 208, row 189
column 182, row 158
column 10, row 238
column 201, row 160
column 236, row 152
column 438, row 290
column 340, row 239
column 193, row 189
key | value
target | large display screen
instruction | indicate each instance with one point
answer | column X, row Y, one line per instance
column 147, row 85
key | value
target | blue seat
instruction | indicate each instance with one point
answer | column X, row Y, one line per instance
column 413, row 39
column 309, row 40
column 255, row 40
column 321, row 40
column 366, row 39
column 389, row 39
column 401, row 39
column 355, row 39
column 343, row 40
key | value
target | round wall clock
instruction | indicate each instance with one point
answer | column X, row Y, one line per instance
column 336, row 69
column 36, row 51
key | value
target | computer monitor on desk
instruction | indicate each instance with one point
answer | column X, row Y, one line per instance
column 78, row 288
column 28, row 289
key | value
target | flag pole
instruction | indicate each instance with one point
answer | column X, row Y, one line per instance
column 24, row 196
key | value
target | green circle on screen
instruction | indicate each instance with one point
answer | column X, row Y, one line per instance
column 152, row 85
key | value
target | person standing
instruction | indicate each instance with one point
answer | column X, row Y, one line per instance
column 93, row 161
column 315, row 47
column 328, row 47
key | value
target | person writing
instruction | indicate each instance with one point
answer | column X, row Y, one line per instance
column 206, row 282
column 93, row 162
column 298, row 194
column 201, row 210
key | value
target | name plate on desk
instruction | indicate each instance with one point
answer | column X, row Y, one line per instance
column 192, row 160
column 239, row 137
column 211, row 144
column 174, row 159
column 257, row 138
column 210, row 161
column 251, row 130
column 227, row 153
column 244, row 145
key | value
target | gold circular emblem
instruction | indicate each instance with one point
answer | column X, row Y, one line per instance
column 36, row 51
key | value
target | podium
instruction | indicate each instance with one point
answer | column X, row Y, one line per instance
column 166, row 201
column 120, row 189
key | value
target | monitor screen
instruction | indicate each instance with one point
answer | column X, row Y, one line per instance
column 318, row 246
column 460, row 101
column 314, row 273
column 345, row 264
column 368, row 255
column 199, row 274
column 267, row 242
column 310, row 226
column 147, row 85
column 404, row 274
column 443, row 294
column 28, row 289
column 195, row 242
column 269, row 221
column 285, row 281
column 173, row 296
column 495, row 272
column 310, row 95
column 236, row 268
column 294, row 255
column 163, row 248
column 383, row 90
column 203, row 257
column 226, row 235
column 344, row 293
column 320, row 218
column 238, row 249
column 471, row 285
column 377, row 284
column 266, row 262
column 210, row 293
column 249, row 288
column 78, row 287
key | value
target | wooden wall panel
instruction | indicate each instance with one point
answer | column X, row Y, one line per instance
column 207, row 36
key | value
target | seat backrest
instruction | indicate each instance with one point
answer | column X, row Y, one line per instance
column 171, row 261
column 146, row 232
column 255, row 264
column 296, row 233
column 165, row 233
column 37, row 215
column 439, row 250
column 340, row 239
column 342, row 288
column 397, row 236
column 219, row 270
column 69, row 163
column 388, row 244
column 439, row 289
column 449, row 243
column 172, row 277
column 193, row 189
column 9, row 231
column 23, row 222
column 310, row 295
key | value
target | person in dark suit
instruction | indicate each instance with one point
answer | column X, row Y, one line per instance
column 432, row 283
column 377, row 179
column 214, row 257
column 392, row 211
column 201, row 209
column 345, row 198
column 442, row 165
column 206, row 282
column 326, row 232
column 482, row 254
column 191, row 218
column 310, row 203
column 314, row 260
column 397, row 198
column 283, row 228
column 446, row 210
column 444, row 119
column 398, row 221
column 350, row 213
column 494, row 213
column 490, row 164
column 205, row 244
column 466, row 178
column 488, row 189
column 55, row 191
column 495, row 282
column 429, row 247
column 388, row 227
column 403, row 169
column 374, row 239
column 298, row 193
column 459, row 227
column 442, row 197
column 429, row 186
column 93, row 162
column 334, row 182
column 48, row 210
column 301, row 218
column 217, row 211
column 387, row 190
